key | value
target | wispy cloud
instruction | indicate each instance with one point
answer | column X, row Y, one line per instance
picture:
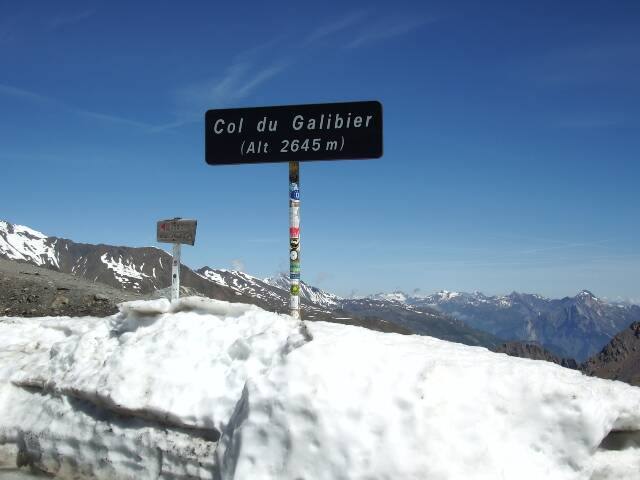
column 17, row 26
column 248, row 71
column 69, row 18
column 384, row 31
column 238, row 81
column 10, row 91
column 39, row 99
column 336, row 26
column 253, row 68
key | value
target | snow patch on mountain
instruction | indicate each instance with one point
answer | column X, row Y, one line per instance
column 18, row 242
column 125, row 270
column 208, row 389
column 213, row 276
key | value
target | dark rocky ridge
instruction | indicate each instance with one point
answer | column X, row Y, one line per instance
column 619, row 359
column 30, row 291
column 534, row 352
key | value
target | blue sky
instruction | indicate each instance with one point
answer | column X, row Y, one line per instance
column 511, row 137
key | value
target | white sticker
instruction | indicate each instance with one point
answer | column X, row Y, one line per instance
column 295, row 302
column 294, row 217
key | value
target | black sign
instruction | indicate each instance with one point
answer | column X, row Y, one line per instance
column 328, row 131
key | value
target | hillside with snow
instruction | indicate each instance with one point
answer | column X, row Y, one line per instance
column 573, row 327
column 230, row 391
column 147, row 270
column 141, row 270
column 18, row 242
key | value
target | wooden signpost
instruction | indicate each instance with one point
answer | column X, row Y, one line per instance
column 176, row 231
column 293, row 134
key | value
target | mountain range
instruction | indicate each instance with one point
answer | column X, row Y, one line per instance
column 574, row 327
column 145, row 270
column 569, row 328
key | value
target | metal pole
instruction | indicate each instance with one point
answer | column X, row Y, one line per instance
column 294, row 238
column 175, row 272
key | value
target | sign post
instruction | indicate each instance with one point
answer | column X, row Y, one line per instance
column 293, row 134
column 294, row 238
column 176, row 231
column 175, row 272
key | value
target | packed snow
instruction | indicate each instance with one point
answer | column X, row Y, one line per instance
column 200, row 388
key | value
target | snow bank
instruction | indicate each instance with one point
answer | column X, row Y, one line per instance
column 208, row 389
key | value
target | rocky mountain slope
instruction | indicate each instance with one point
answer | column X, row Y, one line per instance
column 534, row 352
column 575, row 327
column 619, row 359
column 30, row 291
column 140, row 270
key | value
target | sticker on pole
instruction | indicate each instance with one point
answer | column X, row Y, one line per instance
column 177, row 230
column 329, row 131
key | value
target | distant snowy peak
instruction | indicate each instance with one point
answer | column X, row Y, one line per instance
column 396, row 296
column 587, row 296
column 445, row 295
column 312, row 294
column 18, row 242
column 478, row 298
